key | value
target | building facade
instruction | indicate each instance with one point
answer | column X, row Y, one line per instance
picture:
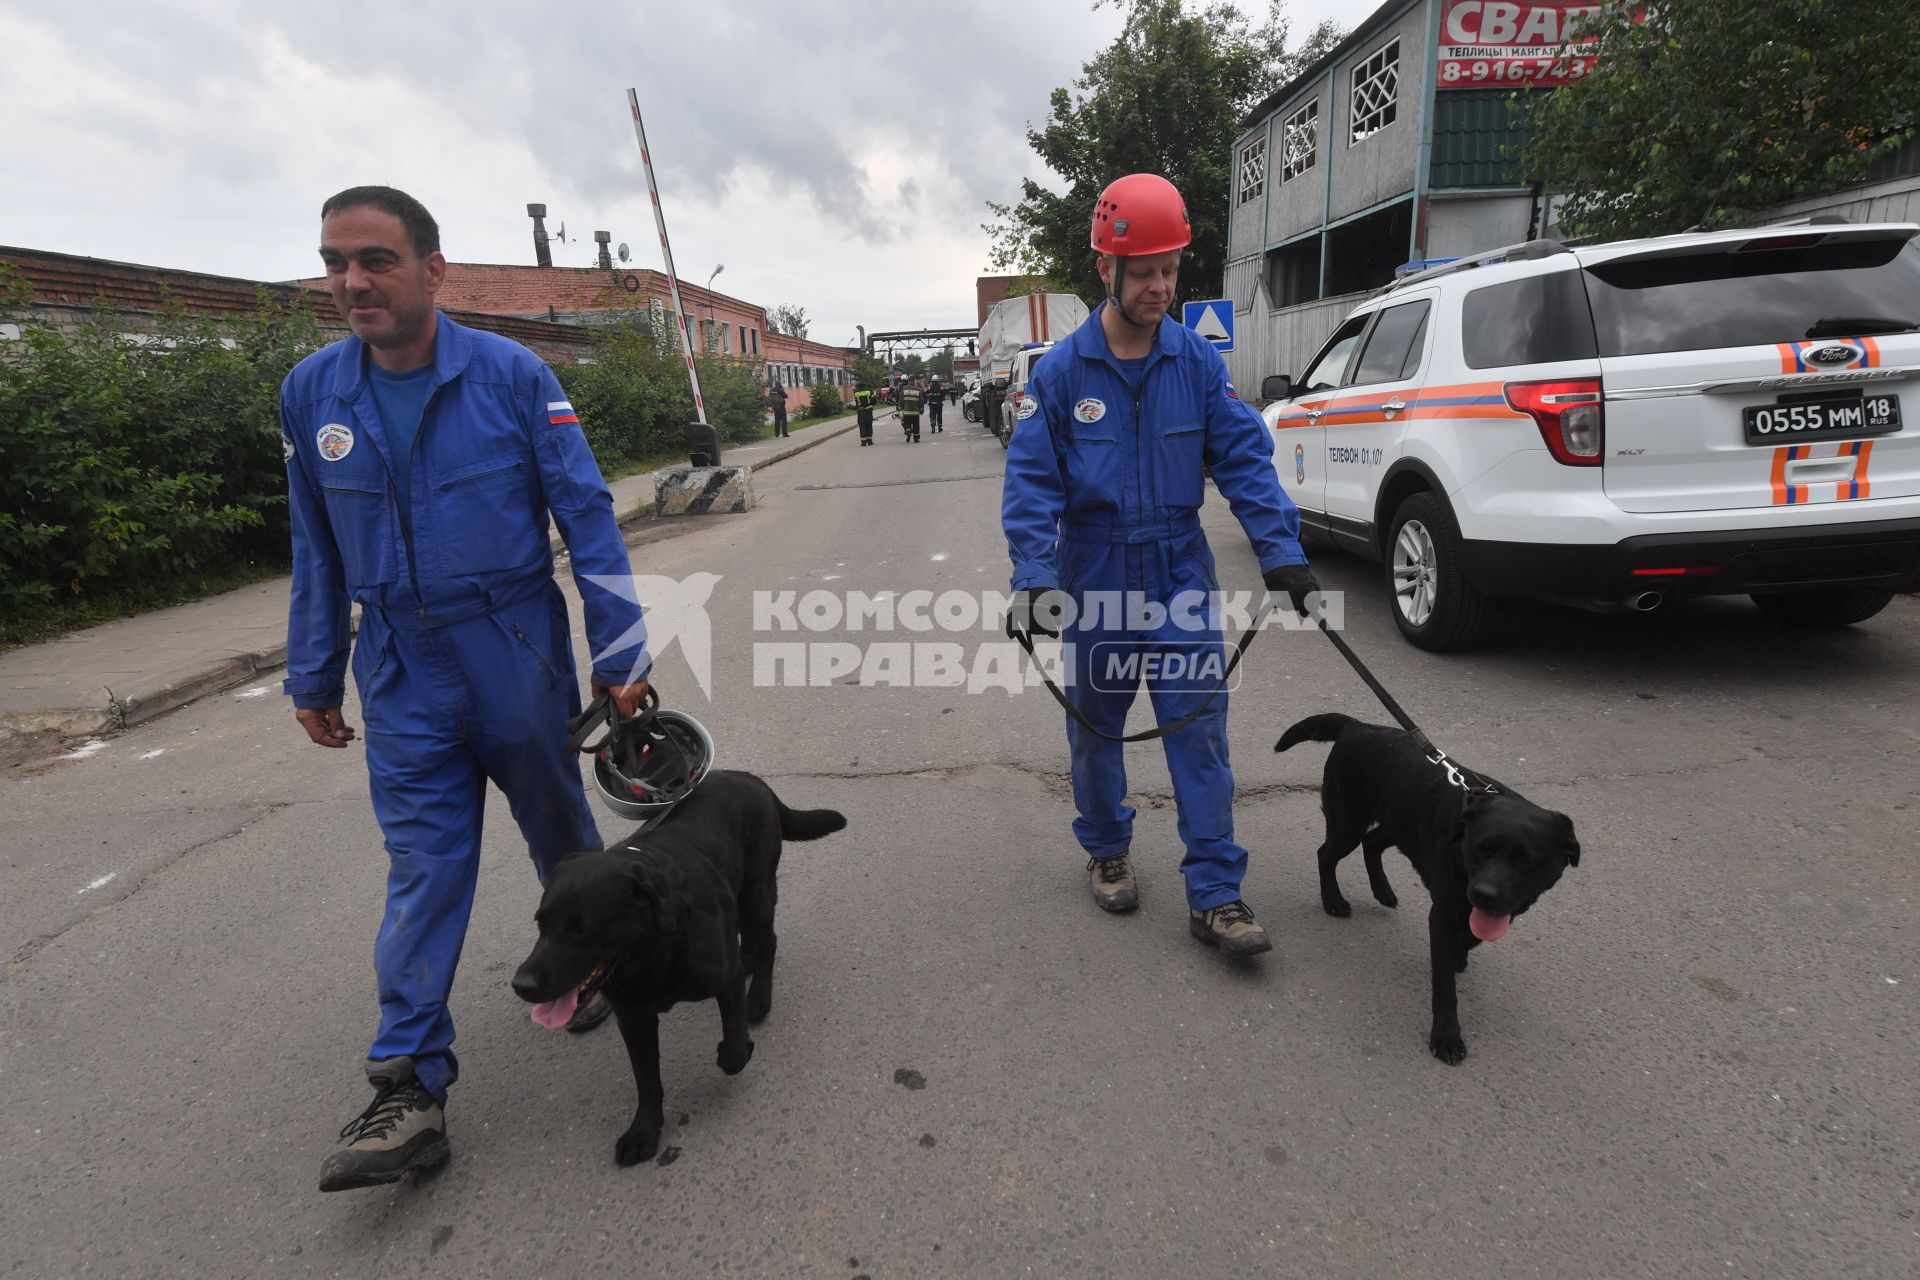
column 720, row 324
column 70, row 290
column 799, row 365
column 1394, row 148
column 1390, row 149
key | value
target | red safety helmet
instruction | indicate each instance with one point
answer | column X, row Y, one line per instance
column 1140, row 214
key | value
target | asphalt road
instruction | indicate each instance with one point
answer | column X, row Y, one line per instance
column 1695, row 1057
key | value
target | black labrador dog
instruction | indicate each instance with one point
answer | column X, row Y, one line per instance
column 1485, row 857
column 681, row 912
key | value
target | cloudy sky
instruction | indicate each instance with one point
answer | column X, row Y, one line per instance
column 834, row 154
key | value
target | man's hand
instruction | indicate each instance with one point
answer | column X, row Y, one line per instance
column 626, row 697
column 327, row 728
column 1036, row 611
column 1293, row 582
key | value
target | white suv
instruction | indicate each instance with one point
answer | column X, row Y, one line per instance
column 1616, row 424
column 1017, row 405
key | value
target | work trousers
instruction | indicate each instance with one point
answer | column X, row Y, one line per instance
column 447, row 710
column 1115, row 583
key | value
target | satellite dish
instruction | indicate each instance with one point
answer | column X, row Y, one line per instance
column 561, row 234
column 623, row 251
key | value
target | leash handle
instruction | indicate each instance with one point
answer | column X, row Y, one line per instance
column 603, row 711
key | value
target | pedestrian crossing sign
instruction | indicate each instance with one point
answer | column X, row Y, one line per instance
column 1212, row 320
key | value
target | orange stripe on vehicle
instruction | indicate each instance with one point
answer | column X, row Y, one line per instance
column 1438, row 411
column 1780, row 476
column 1789, row 357
column 1873, row 353
column 1860, row 487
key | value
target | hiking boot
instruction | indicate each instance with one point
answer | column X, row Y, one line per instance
column 1111, row 880
column 591, row 1014
column 402, row 1130
column 1231, row 928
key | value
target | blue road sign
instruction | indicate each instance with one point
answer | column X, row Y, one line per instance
column 1212, row 320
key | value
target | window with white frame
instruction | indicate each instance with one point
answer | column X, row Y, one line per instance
column 1299, row 141
column 1376, row 93
column 1253, row 169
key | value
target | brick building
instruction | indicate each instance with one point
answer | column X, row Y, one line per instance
column 551, row 310
column 68, row 290
column 800, row 364
column 587, row 296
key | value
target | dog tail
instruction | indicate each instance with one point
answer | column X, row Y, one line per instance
column 1322, row 728
column 809, row 824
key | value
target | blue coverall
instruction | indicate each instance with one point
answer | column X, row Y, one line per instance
column 464, row 660
column 1102, row 495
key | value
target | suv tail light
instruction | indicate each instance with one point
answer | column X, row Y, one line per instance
column 1568, row 414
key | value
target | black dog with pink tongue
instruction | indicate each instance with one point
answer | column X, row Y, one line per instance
column 1485, row 857
column 678, row 913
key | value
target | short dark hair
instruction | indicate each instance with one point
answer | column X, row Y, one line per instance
column 419, row 224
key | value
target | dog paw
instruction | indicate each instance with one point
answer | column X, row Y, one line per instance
column 1448, row 1046
column 1339, row 908
column 733, row 1058
column 759, row 1005
column 1460, row 965
column 1386, row 898
column 636, row 1145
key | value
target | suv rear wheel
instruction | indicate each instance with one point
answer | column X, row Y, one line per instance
column 1833, row 607
column 1433, row 603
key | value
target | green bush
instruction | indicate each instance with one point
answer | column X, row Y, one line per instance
column 826, row 401
column 736, row 402
column 130, row 465
column 635, row 402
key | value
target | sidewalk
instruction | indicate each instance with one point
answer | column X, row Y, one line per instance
column 108, row 677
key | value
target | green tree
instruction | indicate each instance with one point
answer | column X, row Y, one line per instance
column 869, row 372
column 942, row 363
column 1703, row 112
column 788, row 319
column 824, row 402
column 1168, row 96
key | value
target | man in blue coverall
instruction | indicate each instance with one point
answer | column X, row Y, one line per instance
column 423, row 461
column 1101, row 512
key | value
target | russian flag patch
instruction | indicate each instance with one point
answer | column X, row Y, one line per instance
column 560, row 412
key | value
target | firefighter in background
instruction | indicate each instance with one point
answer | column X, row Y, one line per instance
column 863, row 412
column 911, row 399
column 936, row 401
column 777, row 401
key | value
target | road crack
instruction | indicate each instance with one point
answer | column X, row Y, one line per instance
column 254, row 815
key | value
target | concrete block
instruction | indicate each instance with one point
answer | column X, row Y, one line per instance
column 698, row 491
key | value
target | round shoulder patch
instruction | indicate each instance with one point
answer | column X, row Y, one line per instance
column 1090, row 410
column 1028, row 407
column 286, row 447
column 335, row 441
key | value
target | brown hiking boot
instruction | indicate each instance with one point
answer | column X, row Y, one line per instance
column 402, row 1130
column 1112, row 882
column 1231, row 928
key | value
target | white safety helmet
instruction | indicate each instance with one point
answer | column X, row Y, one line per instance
column 648, row 763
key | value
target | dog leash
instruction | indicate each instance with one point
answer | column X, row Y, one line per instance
column 1457, row 774
column 1147, row 735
